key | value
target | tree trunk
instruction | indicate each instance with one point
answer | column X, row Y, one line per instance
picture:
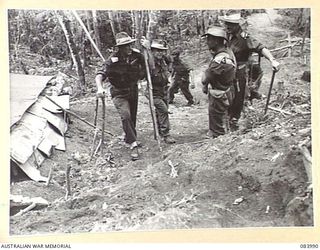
column 89, row 28
column 65, row 25
column 142, row 22
column 133, row 27
column 27, row 31
column 18, row 34
column 203, row 26
column 198, row 26
column 111, row 17
column 96, row 29
column 152, row 25
column 138, row 27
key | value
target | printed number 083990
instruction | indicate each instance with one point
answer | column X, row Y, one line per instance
column 308, row 245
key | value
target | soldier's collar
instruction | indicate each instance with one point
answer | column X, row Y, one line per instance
column 237, row 34
column 214, row 53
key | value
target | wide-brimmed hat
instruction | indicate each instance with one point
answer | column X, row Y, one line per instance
column 123, row 38
column 216, row 32
column 233, row 18
column 157, row 45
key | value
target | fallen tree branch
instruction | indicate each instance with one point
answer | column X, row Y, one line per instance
column 27, row 209
column 49, row 177
column 279, row 110
column 286, row 47
column 75, row 115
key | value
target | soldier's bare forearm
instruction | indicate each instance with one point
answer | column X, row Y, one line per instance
column 99, row 81
column 267, row 54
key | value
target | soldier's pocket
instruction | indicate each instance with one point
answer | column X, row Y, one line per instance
column 225, row 100
column 119, row 92
column 220, row 96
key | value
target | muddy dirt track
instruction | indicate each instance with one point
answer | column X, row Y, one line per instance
column 254, row 177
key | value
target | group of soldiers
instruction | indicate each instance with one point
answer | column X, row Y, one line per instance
column 224, row 81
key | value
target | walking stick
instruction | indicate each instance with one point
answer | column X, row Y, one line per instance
column 270, row 88
column 151, row 102
column 103, row 122
column 96, row 129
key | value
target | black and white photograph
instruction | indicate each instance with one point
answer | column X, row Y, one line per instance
column 148, row 120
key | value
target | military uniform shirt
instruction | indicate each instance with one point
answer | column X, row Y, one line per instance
column 180, row 70
column 159, row 77
column 221, row 71
column 243, row 45
column 123, row 73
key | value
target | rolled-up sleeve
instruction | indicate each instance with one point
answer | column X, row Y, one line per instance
column 254, row 45
column 103, row 70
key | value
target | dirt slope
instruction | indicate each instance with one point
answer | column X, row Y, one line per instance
column 259, row 166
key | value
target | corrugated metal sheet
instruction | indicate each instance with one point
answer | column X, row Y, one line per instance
column 24, row 91
column 26, row 137
column 40, row 109
column 40, row 128
column 52, row 139
column 62, row 100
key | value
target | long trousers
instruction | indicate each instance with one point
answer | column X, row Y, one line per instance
column 219, row 114
column 127, row 106
column 162, row 114
column 240, row 92
column 184, row 86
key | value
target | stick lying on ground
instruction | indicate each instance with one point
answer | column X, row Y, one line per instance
column 75, row 115
column 49, row 177
column 279, row 110
column 286, row 47
column 27, row 209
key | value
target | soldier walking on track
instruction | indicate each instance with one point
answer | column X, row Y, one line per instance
column 159, row 78
column 218, row 81
column 181, row 78
column 123, row 71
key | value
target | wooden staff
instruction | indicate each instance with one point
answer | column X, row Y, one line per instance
column 96, row 130
column 103, row 123
column 270, row 89
column 151, row 102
